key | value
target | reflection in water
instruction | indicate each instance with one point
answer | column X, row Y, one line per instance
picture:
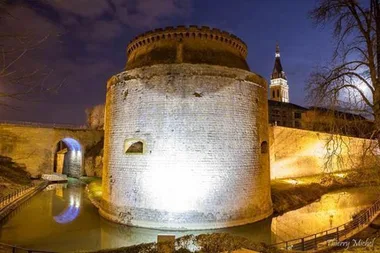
column 70, row 213
column 62, row 218
column 332, row 210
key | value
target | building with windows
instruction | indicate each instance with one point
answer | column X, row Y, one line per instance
column 339, row 122
column 285, row 114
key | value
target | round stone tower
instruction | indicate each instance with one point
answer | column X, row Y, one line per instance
column 186, row 134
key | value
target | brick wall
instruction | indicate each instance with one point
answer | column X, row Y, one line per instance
column 296, row 152
column 35, row 146
column 201, row 165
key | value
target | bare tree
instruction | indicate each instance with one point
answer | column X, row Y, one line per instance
column 95, row 117
column 353, row 74
column 16, row 80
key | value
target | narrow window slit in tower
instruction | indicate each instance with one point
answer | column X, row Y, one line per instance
column 264, row 147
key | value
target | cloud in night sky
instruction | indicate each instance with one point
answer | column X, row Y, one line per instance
column 31, row 40
column 82, row 8
column 87, row 39
column 149, row 13
column 80, row 49
column 133, row 13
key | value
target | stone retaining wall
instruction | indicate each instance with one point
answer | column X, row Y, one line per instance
column 297, row 153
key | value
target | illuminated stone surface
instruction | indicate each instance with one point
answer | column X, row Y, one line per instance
column 297, row 153
column 36, row 146
column 201, row 127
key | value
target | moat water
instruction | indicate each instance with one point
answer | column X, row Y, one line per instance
column 61, row 218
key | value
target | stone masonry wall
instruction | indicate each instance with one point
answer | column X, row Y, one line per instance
column 202, row 165
column 73, row 164
column 297, row 153
column 35, row 146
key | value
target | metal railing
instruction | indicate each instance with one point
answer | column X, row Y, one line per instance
column 330, row 237
column 5, row 200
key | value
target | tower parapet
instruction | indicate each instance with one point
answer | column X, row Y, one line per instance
column 183, row 44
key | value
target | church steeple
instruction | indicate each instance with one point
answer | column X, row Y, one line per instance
column 279, row 89
column 278, row 72
column 277, row 51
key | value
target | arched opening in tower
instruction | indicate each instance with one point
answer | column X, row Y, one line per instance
column 68, row 158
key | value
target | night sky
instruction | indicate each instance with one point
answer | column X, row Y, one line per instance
column 86, row 44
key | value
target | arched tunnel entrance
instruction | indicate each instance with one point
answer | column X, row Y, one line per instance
column 68, row 158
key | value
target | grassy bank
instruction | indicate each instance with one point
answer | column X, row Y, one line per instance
column 291, row 194
column 12, row 176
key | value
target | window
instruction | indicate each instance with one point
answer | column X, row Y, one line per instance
column 133, row 146
column 297, row 115
column 264, row 147
column 274, row 95
column 297, row 124
column 278, row 93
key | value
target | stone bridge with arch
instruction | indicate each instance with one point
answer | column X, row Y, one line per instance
column 43, row 148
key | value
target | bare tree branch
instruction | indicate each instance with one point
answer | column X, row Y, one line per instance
column 17, row 80
column 355, row 62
